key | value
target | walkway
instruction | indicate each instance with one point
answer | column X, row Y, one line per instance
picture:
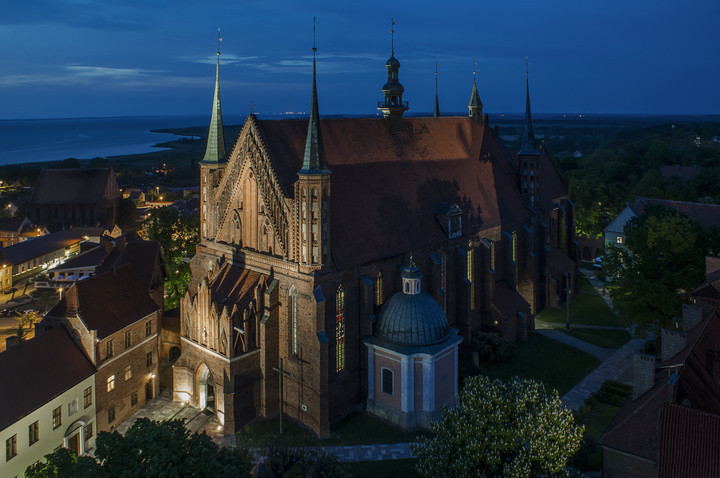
column 615, row 363
column 350, row 453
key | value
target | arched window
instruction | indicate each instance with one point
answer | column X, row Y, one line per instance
column 379, row 289
column 387, row 381
column 340, row 329
column 293, row 312
column 223, row 343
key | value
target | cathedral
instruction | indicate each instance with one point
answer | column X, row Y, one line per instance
column 315, row 234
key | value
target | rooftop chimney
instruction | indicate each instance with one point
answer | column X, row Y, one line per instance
column 643, row 374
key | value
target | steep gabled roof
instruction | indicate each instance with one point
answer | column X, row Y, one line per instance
column 706, row 214
column 386, row 183
column 72, row 186
column 110, row 301
column 234, row 285
column 690, row 443
column 36, row 371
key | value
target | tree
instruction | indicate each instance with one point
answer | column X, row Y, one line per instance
column 663, row 261
column 516, row 428
column 149, row 449
column 26, row 320
column 178, row 235
column 127, row 215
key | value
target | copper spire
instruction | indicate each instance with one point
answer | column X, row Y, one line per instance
column 215, row 149
column 314, row 159
column 475, row 105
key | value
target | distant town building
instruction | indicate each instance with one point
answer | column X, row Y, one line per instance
column 706, row 214
column 136, row 195
column 35, row 256
column 75, row 197
column 48, row 400
column 14, row 230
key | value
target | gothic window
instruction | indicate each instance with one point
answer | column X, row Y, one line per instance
column 492, row 256
column 223, row 343
column 293, row 321
column 387, row 381
column 264, row 239
column 470, row 275
column 340, row 329
column 236, row 233
column 379, row 289
column 514, row 246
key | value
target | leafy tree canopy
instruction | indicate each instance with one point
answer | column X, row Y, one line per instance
column 516, row 429
column 148, row 449
column 178, row 235
column 663, row 262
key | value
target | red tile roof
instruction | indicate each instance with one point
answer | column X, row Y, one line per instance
column 110, row 301
column 36, row 371
column 706, row 214
column 390, row 181
column 690, row 443
column 234, row 285
column 72, row 186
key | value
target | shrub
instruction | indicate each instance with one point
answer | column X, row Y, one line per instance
column 494, row 347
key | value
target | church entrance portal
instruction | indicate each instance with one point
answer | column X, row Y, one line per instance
column 207, row 389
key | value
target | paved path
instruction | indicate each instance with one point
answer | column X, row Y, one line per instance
column 598, row 285
column 394, row 451
column 611, row 369
column 598, row 352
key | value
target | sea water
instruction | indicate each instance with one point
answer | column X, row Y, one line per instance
column 28, row 141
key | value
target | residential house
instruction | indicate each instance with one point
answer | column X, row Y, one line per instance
column 18, row 229
column 116, row 321
column 48, row 400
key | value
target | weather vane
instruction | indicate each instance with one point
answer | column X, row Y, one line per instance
column 314, row 49
column 527, row 67
column 392, row 36
column 474, row 66
column 219, row 40
column 252, row 106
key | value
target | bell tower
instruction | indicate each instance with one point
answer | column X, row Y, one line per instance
column 475, row 106
column 393, row 106
column 213, row 162
column 312, row 192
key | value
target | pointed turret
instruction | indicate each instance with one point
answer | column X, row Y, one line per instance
column 312, row 192
column 436, row 114
column 528, row 156
column 215, row 151
column 475, row 106
column 393, row 107
column 528, row 145
column 314, row 159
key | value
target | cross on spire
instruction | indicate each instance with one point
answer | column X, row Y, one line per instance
column 392, row 36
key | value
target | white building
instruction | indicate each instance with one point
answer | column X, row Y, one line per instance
column 48, row 400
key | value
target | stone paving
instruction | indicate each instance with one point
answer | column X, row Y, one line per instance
column 351, row 453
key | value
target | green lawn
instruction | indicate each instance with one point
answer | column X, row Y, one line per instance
column 558, row 365
column 599, row 417
column 608, row 338
column 355, row 429
column 382, row 469
column 586, row 308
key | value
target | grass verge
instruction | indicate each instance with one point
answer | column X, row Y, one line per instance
column 557, row 365
column 586, row 308
column 608, row 338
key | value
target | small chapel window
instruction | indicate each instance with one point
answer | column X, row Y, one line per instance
column 340, row 329
column 293, row 321
column 379, row 289
column 387, row 381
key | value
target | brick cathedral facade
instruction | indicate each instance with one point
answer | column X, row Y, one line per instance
column 305, row 227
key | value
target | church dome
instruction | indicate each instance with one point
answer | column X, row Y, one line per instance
column 412, row 317
column 392, row 61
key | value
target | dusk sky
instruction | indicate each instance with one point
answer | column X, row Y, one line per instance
column 81, row 58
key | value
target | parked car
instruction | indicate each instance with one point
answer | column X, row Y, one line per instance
column 597, row 265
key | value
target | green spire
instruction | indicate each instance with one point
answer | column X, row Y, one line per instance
column 314, row 159
column 437, row 107
column 215, row 151
column 528, row 145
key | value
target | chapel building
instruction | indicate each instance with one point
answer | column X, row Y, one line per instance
column 306, row 227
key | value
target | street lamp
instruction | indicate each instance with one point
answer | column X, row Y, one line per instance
column 60, row 292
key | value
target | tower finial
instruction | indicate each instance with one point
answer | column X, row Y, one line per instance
column 392, row 36
column 527, row 68
column 436, row 114
column 219, row 40
column 474, row 67
column 475, row 106
column 314, row 49
column 215, row 149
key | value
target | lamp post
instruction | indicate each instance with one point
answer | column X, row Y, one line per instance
column 567, row 313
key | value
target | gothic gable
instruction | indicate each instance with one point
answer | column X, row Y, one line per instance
column 252, row 209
